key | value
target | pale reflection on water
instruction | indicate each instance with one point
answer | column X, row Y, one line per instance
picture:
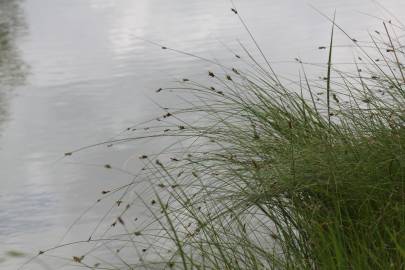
column 13, row 70
column 91, row 75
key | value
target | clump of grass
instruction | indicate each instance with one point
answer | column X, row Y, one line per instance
column 274, row 173
column 279, row 179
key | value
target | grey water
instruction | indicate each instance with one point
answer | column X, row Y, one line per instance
column 78, row 72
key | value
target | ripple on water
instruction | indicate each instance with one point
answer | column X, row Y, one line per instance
column 31, row 215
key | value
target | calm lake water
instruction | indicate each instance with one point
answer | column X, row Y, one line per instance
column 77, row 72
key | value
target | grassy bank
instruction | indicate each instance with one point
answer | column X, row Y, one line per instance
column 268, row 172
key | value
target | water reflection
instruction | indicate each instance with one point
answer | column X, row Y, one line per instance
column 13, row 70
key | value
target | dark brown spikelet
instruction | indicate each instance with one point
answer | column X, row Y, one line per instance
column 164, row 48
column 121, row 221
column 185, row 80
column 161, row 185
column 212, row 88
column 114, row 223
column 78, row 259
column 68, row 153
column 153, row 202
column 41, row 252
column 174, row 159
column 255, row 164
column 274, row 236
column 321, row 48
column 118, row 202
column 105, row 191
column 211, row 74
column 107, row 166
column 144, row 250
column 235, row 71
column 181, row 127
column 234, row 10
column 159, row 90
column 159, row 163
column 335, row 98
column 167, row 115
column 220, row 92
column 137, row 233
column 237, row 56
column 143, row 157
column 228, row 77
